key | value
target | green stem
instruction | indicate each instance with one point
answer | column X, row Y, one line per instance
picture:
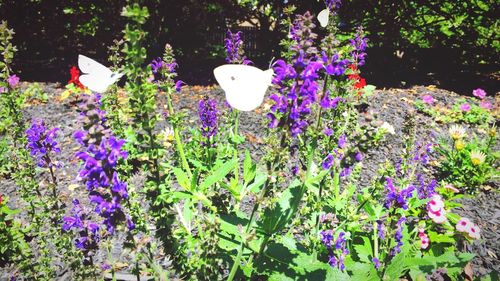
column 178, row 142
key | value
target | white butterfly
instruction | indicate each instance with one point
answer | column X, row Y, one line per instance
column 96, row 76
column 323, row 17
column 244, row 85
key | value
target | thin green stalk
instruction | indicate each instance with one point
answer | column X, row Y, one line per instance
column 178, row 142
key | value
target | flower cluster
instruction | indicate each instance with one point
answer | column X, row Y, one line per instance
column 235, row 53
column 88, row 230
column 428, row 99
column 42, row 142
column 297, row 82
column 424, row 239
column 481, row 95
column 75, row 77
column 100, row 153
column 359, row 82
column 359, row 44
column 336, row 251
column 166, row 69
column 207, row 111
column 435, row 209
column 425, row 190
column 396, row 197
column 398, row 237
column 469, row 228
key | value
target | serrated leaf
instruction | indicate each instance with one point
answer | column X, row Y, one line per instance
column 364, row 251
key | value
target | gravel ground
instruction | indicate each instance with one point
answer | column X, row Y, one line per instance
column 391, row 105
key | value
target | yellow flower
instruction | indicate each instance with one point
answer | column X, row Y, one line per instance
column 493, row 131
column 459, row 145
column 456, row 132
column 477, row 157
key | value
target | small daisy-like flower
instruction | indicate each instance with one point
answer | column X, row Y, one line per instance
column 428, row 99
column 456, row 132
column 459, row 145
column 477, row 157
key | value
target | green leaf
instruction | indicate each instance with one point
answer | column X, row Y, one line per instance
column 219, row 174
column 364, row 251
column 258, row 182
column 396, row 268
column 249, row 168
column 182, row 179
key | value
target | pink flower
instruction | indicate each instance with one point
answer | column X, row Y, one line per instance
column 13, row 80
column 469, row 228
column 463, row 224
column 3, row 90
column 428, row 99
column 480, row 93
column 474, row 232
column 424, row 239
column 435, row 209
column 484, row 104
column 465, row 107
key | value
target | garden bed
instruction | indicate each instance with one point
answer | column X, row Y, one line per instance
column 389, row 105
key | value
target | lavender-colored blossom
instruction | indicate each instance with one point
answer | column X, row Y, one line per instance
column 342, row 141
column 13, row 80
column 156, row 65
column 3, row 90
column 100, row 152
column 295, row 170
column 327, row 162
column 207, row 111
column 465, row 107
column 359, row 44
column 234, row 48
column 178, row 85
column 328, row 132
column 395, row 197
column 425, row 190
column 428, row 99
column 42, row 143
column 380, row 230
column 398, row 236
column 346, row 171
column 333, row 4
column 88, row 231
column 358, row 156
column 479, row 93
column 485, row 104
column 376, row 263
column 337, row 251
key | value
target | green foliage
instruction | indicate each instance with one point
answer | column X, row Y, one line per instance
column 457, row 166
column 12, row 244
column 475, row 115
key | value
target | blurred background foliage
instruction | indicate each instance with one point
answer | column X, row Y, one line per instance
column 426, row 41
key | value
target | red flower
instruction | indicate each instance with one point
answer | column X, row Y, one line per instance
column 1, row 199
column 360, row 84
column 75, row 75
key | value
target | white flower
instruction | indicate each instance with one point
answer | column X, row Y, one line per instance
column 463, row 224
column 477, row 157
column 388, row 128
column 456, row 132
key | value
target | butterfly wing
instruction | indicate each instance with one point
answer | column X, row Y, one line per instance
column 245, row 86
column 97, row 77
column 323, row 17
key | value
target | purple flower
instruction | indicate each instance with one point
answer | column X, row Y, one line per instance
column 359, row 44
column 345, row 172
column 3, row 90
column 13, row 80
column 178, row 85
column 425, row 190
column 428, row 99
column 380, row 230
column 342, row 141
column 87, row 230
column 358, row 156
column 295, row 170
column 396, row 197
column 327, row 162
column 376, row 263
column 465, row 107
column 486, row 105
column 336, row 251
column 398, row 236
column 333, row 4
column 328, row 132
column 234, row 48
column 207, row 112
column 479, row 93
column 156, row 65
column 41, row 143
